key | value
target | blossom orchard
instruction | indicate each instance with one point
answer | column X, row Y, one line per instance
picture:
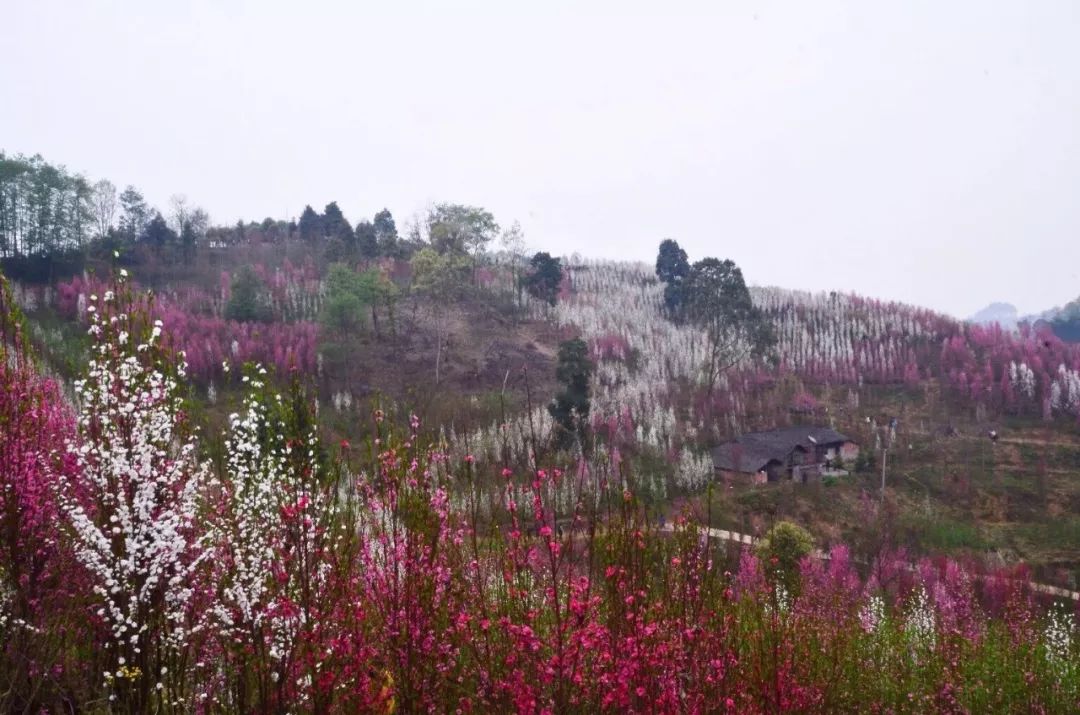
column 195, row 325
column 285, row 575
column 823, row 339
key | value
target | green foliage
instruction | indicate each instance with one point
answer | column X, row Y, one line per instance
column 442, row 276
column 334, row 225
column 672, row 267
column 674, row 297
column 44, row 209
column 570, row 408
column 544, row 277
column 158, row 234
column 1066, row 324
column 386, row 235
column 715, row 297
column 134, row 216
column 783, row 548
column 366, row 240
column 944, row 534
column 454, row 228
column 672, row 264
column 246, row 301
column 349, row 295
column 310, row 225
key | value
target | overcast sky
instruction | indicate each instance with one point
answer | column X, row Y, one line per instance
column 925, row 152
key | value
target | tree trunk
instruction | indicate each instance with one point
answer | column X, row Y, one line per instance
column 438, row 352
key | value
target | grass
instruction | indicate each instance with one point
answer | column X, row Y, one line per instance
column 946, row 534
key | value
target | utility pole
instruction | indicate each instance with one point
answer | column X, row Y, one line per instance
column 884, row 460
column 886, row 441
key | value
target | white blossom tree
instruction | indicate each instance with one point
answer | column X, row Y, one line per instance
column 269, row 530
column 133, row 510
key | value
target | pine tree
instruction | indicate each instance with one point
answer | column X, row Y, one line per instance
column 544, row 277
column 570, row 408
column 310, row 226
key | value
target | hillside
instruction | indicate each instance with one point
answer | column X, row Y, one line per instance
column 853, row 364
column 841, row 360
column 286, row 452
column 617, row 516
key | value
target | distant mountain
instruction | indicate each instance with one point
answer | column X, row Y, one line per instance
column 1002, row 313
column 1063, row 320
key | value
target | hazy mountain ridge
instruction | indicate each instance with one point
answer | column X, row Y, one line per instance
column 1062, row 319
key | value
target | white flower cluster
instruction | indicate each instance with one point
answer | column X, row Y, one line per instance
column 342, row 401
column 1022, row 378
column 919, row 623
column 843, row 333
column 1065, row 391
column 872, row 614
column 693, row 471
column 270, row 510
column 8, row 624
column 133, row 512
column 1058, row 636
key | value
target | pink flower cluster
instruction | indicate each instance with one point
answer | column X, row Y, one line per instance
column 205, row 338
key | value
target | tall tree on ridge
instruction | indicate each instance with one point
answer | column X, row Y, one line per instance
column 335, row 225
column 135, row 214
column 455, row 228
column 716, row 299
column 310, row 225
column 544, row 277
column 104, row 206
column 672, row 267
column 386, row 235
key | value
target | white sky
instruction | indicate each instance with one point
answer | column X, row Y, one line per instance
column 920, row 151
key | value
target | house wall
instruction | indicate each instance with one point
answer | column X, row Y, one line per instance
column 849, row 451
column 807, row 474
column 728, row 476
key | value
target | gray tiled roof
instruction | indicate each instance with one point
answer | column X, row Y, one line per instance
column 753, row 451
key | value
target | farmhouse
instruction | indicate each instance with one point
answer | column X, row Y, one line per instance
column 800, row 454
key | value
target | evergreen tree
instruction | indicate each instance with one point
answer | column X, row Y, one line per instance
column 544, row 277
column 366, row 240
column 715, row 297
column 672, row 267
column 570, row 408
column 157, row 233
column 671, row 262
column 245, row 297
column 310, row 226
column 386, row 235
column 135, row 214
column 335, row 225
column 349, row 295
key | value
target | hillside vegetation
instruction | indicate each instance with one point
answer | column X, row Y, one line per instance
column 321, row 467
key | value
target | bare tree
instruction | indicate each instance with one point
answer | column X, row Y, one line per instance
column 104, row 203
column 513, row 245
column 181, row 212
